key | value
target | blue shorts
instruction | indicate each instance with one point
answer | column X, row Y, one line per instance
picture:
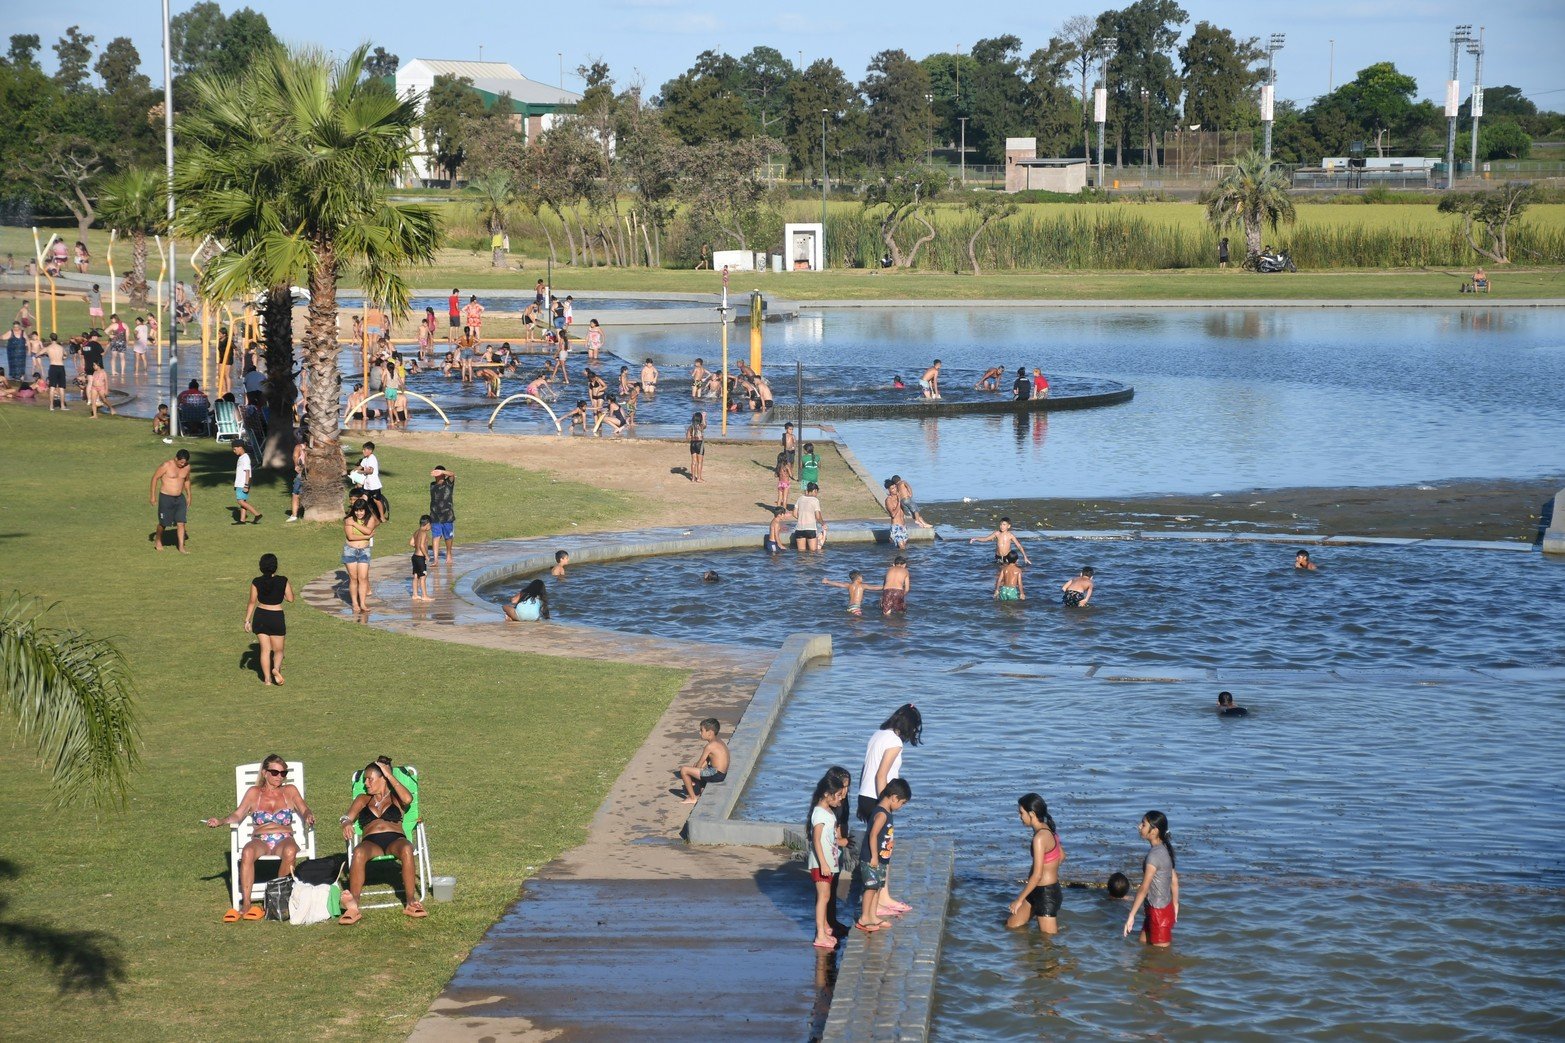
column 355, row 555
column 442, row 530
column 240, row 494
column 298, row 483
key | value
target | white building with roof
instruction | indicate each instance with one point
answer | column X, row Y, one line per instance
column 535, row 105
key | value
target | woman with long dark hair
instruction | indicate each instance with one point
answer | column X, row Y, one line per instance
column 379, row 812
column 529, row 604
column 1040, row 897
column 882, row 763
column 1159, row 884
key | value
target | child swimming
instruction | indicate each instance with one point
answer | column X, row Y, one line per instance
column 1008, row 583
column 1078, row 589
column 855, row 588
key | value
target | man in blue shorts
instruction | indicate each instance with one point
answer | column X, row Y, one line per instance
column 442, row 511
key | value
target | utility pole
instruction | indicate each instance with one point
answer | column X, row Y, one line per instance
column 168, row 160
column 1475, row 49
column 1100, row 99
column 1453, row 100
column 963, row 121
column 1331, row 67
column 1269, row 92
column 823, row 192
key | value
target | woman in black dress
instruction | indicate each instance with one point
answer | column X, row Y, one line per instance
column 264, row 617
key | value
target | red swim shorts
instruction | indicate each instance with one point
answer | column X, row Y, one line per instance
column 1159, row 925
column 822, row 878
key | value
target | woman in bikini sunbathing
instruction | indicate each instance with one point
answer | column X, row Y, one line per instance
column 378, row 813
column 271, row 805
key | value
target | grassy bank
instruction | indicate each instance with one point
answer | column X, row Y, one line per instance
column 517, row 751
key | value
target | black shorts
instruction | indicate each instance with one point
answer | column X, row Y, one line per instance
column 866, row 809
column 420, row 565
column 171, row 509
column 805, row 534
column 456, row 322
column 1045, row 900
column 269, row 621
column 57, row 377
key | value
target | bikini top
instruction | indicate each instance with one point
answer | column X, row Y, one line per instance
column 272, row 818
column 1055, row 853
column 392, row 813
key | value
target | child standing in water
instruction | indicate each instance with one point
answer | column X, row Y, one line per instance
column 875, row 856
column 1159, row 884
column 1078, row 589
column 594, row 340
column 420, row 544
column 1008, row 583
column 784, row 478
column 855, row 588
column 830, row 792
column 1040, row 897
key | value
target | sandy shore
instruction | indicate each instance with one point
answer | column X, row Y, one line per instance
column 1456, row 509
column 739, row 485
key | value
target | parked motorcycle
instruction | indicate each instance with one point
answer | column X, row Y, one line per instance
column 1277, row 262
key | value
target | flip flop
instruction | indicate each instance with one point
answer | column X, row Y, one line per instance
column 867, row 928
column 825, row 945
column 255, row 912
column 232, row 916
column 349, row 918
column 415, row 910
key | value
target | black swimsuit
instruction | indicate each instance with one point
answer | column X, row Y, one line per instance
column 393, row 813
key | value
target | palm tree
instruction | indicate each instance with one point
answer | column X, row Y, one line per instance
column 1253, row 192
column 134, row 201
column 495, row 206
column 291, row 168
column 71, row 695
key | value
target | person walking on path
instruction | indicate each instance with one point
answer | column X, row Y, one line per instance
column 171, row 495
column 442, row 511
column 264, row 617
column 242, row 475
column 358, row 530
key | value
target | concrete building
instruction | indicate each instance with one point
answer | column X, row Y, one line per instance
column 1025, row 171
column 534, row 105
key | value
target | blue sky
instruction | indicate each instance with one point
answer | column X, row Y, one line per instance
column 655, row 40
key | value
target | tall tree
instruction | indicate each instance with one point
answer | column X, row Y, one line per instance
column 448, row 111
column 1145, row 34
column 1053, row 115
column 120, row 67
column 951, row 81
column 134, row 201
column 764, row 75
column 24, row 49
column 69, row 694
column 1253, row 192
column 245, row 36
column 705, row 102
column 381, row 63
column 725, row 185
column 651, row 159
column 1380, row 99
column 820, row 92
column 195, row 35
column 1079, row 37
column 75, row 55
column 291, row 167
column 1000, row 96
column 900, row 120
column 1222, row 74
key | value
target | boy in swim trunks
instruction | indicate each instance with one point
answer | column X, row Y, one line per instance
column 710, row 767
column 930, row 381
column 772, row 544
column 894, row 590
column 1004, row 541
column 1008, row 584
column 875, row 855
column 562, row 558
column 420, row 544
column 1078, row 589
column 855, row 588
column 894, row 511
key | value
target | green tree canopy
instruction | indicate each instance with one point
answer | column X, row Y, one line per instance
column 1222, row 74
column 448, row 111
column 705, row 102
column 900, row 121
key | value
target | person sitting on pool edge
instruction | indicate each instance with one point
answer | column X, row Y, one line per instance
column 528, row 605
column 1226, row 707
column 1301, row 560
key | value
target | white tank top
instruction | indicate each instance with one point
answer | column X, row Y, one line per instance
column 883, row 740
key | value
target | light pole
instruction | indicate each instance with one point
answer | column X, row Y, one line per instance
column 1331, row 66
column 1475, row 48
column 1269, row 93
column 929, row 99
column 963, row 121
column 823, row 189
column 168, row 164
column 1453, row 100
column 1100, row 99
column 1146, row 125
column 561, row 56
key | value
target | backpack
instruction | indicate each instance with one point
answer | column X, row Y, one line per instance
column 278, row 893
column 324, row 870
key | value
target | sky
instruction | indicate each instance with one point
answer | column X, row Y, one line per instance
column 652, row 41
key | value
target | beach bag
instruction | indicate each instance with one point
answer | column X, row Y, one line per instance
column 310, row 903
column 278, row 892
column 324, row 870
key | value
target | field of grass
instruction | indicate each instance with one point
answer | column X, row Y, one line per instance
column 516, row 750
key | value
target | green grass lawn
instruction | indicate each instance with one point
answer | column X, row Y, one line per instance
column 516, row 751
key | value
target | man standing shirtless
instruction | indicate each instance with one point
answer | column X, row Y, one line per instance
column 171, row 493
column 56, row 352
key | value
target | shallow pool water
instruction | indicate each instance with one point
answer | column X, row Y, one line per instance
column 517, row 301
column 1368, row 863
column 1166, row 603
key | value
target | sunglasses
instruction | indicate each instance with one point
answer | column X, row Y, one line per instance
column 277, row 773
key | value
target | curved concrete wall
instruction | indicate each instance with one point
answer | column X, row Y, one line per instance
column 940, row 407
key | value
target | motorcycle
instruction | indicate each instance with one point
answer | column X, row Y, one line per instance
column 1277, row 262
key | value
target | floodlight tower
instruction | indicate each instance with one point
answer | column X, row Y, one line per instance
column 1453, row 99
column 1269, row 92
column 1475, row 48
column 1100, row 98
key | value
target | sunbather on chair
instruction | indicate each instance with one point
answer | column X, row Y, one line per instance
column 378, row 813
column 271, row 805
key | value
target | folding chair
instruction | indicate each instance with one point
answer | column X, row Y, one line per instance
column 194, row 418
column 240, row 834
column 230, row 427
column 412, row 828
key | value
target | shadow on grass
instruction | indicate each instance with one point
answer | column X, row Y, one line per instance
column 81, row 961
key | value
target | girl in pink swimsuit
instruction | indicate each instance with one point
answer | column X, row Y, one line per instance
column 1040, row 897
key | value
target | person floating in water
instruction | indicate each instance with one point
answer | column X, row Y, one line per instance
column 1078, row 589
column 855, row 588
column 1226, row 707
column 1004, row 541
column 1301, row 560
column 1008, row 583
column 898, row 383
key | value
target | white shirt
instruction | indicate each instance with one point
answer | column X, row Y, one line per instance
column 808, row 509
column 883, row 740
column 242, row 471
column 142, row 334
column 253, row 380
column 372, row 479
column 819, row 816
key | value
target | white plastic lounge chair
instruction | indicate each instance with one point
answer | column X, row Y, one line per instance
column 245, row 776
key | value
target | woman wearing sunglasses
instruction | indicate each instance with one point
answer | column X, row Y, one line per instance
column 271, row 804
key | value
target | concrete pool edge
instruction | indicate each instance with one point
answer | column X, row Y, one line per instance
column 1105, row 304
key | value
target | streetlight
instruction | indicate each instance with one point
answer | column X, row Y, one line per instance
column 1453, row 100
column 1100, row 98
column 963, row 121
column 1269, row 92
column 1146, row 124
column 929, row 99
column 823, row 189
column 561, row 56
column 1475, row 48
column 168, row 161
